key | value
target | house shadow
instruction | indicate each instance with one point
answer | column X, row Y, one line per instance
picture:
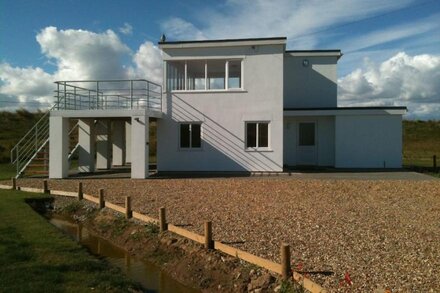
column 220, row 146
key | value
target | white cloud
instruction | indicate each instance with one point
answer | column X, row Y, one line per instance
column 126, row 29
column 401, row 80
column 390, row 34
column 77, row 55
column 81, row 54
column 20, row 86
column 261, row 18
column 178, row 28
column 148, row 63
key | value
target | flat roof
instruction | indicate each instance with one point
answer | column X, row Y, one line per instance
column 348, row 108
column 314, row 51
column 223, row 43
column 221, row 40
column 343, row 111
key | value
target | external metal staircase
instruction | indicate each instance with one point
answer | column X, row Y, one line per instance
column 31, row 154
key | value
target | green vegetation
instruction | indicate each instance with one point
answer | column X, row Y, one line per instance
column 36, row 257
column 7, row 171
column 421, row 140
column 13, row 127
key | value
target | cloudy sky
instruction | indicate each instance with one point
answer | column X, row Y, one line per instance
column 391, row 48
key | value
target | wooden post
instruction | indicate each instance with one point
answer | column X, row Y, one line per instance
column 101, row 199
column 14, row 183
column 162, row 220
column 434, row 162
column 286, row 271
column 45, row 187
column 128, row 212
column 80, row 191
column 209, row 243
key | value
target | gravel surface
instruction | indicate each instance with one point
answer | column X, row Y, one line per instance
column 384, row 234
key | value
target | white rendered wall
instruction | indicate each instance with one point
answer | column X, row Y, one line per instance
column 86, row 140
column 103, row 146
column 223, row 116
column 118, row 143
column 325, row 140
column 59, row 147
column 139, row 146
column 368, row 141
column 311, row 86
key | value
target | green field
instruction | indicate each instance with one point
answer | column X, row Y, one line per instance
column 36, row 257
column 421, row 140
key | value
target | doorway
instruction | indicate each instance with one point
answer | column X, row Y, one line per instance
column 307, row 144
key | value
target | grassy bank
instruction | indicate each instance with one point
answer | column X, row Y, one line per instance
column 36, row 257
column 421, row 140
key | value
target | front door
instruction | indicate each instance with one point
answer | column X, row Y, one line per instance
column 307, row 146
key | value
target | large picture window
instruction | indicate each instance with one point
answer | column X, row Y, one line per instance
column 201, row 75
column 257, row 135
column 190, row 135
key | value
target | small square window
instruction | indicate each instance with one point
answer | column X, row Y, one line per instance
column 190, row 135
column 307, row 134
column 257, row 134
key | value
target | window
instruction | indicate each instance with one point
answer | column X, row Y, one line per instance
column 196, row 75
column 190, row 135
column 216, row 74
column 204, row 75
column 306, row 134
column 257, row 134
column 234, row 71
column 176, row 75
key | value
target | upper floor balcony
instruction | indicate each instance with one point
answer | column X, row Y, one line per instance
column 136, row 94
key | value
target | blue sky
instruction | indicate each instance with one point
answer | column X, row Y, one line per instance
column 378, row 39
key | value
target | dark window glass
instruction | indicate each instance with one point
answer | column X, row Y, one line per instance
column 184, row 135
column 307, row 134
column 195, row 136
column 263, row 135
column 251, row 135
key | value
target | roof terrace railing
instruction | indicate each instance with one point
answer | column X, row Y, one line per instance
column 108, row 94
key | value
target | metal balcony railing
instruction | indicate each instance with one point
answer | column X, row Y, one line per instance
column 108, row 94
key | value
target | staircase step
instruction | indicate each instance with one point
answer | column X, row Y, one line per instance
column 30, row 172
column 37, row 165
column 41, row 159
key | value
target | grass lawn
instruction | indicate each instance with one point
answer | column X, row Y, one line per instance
column 7, row 171
column 421, row 140
column 36, row 257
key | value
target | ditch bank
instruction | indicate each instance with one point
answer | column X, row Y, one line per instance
column 182, row 265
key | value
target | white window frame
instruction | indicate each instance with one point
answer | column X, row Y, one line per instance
column 257, row 148
column 190, row 148
column 226, row 89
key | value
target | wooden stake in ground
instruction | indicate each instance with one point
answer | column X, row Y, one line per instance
column 162, row 220
column 45, row 187
column 128, row 211
column 80, row 191
column 101, row 199
column 14, row 183
column 286, row 271
column 209, row 243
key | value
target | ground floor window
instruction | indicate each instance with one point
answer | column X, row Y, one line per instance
column 257, row 134
column 190, row 135
column 306, row 134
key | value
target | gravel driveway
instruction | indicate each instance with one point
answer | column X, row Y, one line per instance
column 384, row 234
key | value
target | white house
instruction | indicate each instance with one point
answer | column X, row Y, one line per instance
column 250, row 105
column 225, row 105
